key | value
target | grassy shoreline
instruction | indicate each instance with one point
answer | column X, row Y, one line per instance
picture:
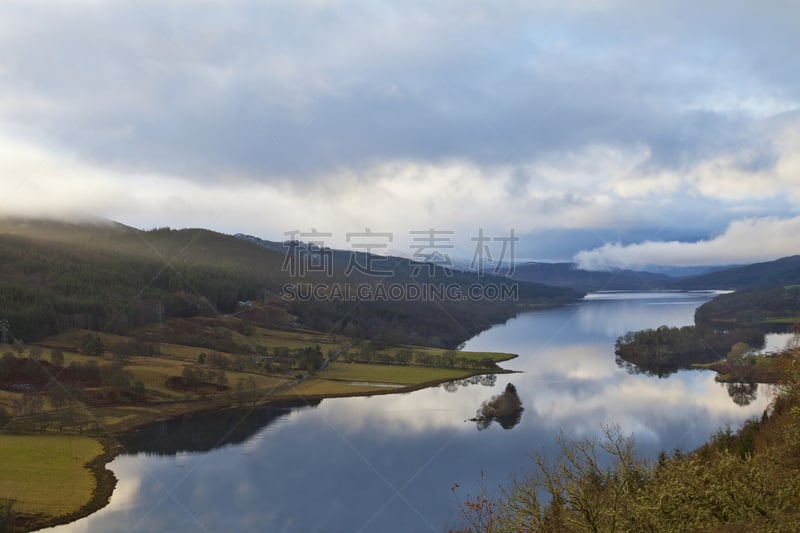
column 765, row 369
column 105, row 483
column 123, row 419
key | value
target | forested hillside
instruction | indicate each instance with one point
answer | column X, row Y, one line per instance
column 773, row 306
column 569, row 275
column 784, row 271
column 106, row 276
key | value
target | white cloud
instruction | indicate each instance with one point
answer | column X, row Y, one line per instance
column 396, row 196
column 599, row 187
column 744, row 241
column 260, row 117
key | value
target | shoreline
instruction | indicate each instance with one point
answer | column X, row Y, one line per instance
column 106, row 481
column 764, row 370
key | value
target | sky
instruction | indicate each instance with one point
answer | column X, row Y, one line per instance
column 613, row 133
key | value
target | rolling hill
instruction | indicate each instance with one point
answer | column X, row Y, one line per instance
column 567, row 275
column 98, row 274
column 784, row 271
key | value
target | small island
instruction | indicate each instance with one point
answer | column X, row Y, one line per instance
column 504, row 408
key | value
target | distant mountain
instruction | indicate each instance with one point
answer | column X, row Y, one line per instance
column 568, row 275
column 680, row 272
column 784, row 271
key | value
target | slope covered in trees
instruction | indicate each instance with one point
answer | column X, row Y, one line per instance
column 767, row 307
column 568, row 275
column 101, row 275
column 784, row 271
column 738, row 317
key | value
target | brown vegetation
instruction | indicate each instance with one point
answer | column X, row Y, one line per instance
column 739, row 481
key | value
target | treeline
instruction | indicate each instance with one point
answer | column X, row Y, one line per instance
column 665, row 350
column 436, row 324
column 750, row 307
column 77, row 382
column 739, row 317
column 375, row 353
column 280, row 359
column 283, row 359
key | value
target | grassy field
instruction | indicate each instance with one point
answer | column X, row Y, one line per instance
column 783, row 320
column 163, row 401
column 272, row 338
column 359, row 378
column 402, row 375
column 497, row 357
column 327, row 387
column 762, row 369
column 6, row 401
column 154, row 371
column 47, row 474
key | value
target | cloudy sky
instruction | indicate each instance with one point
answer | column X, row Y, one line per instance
column 611, row 132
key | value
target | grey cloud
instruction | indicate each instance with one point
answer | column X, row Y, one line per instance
column 259, row 91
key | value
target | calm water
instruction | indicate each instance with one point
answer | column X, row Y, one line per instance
column 387, row 463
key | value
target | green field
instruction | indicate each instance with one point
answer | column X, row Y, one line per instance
column 272, row 338
column 359, row 378
column 47, row 474
column 154, row 372
column 328, row 387
column 163, row 400
column 783, row 320
column 402, row 375
column 497, row 357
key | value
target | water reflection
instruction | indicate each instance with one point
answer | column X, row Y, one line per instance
column 386, row 463
column 204, row 431
column 742, row 393
column 488, row 380
column 652, row 369
column 504, row 408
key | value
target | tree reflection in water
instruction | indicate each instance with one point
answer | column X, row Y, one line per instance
column 485, row 380
column 742, row 393
column 506, row 408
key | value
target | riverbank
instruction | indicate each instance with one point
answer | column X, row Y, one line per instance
column 336, row 381
column 55, row 479
column 766, row 369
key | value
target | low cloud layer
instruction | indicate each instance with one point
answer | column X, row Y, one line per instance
column 744, row 241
